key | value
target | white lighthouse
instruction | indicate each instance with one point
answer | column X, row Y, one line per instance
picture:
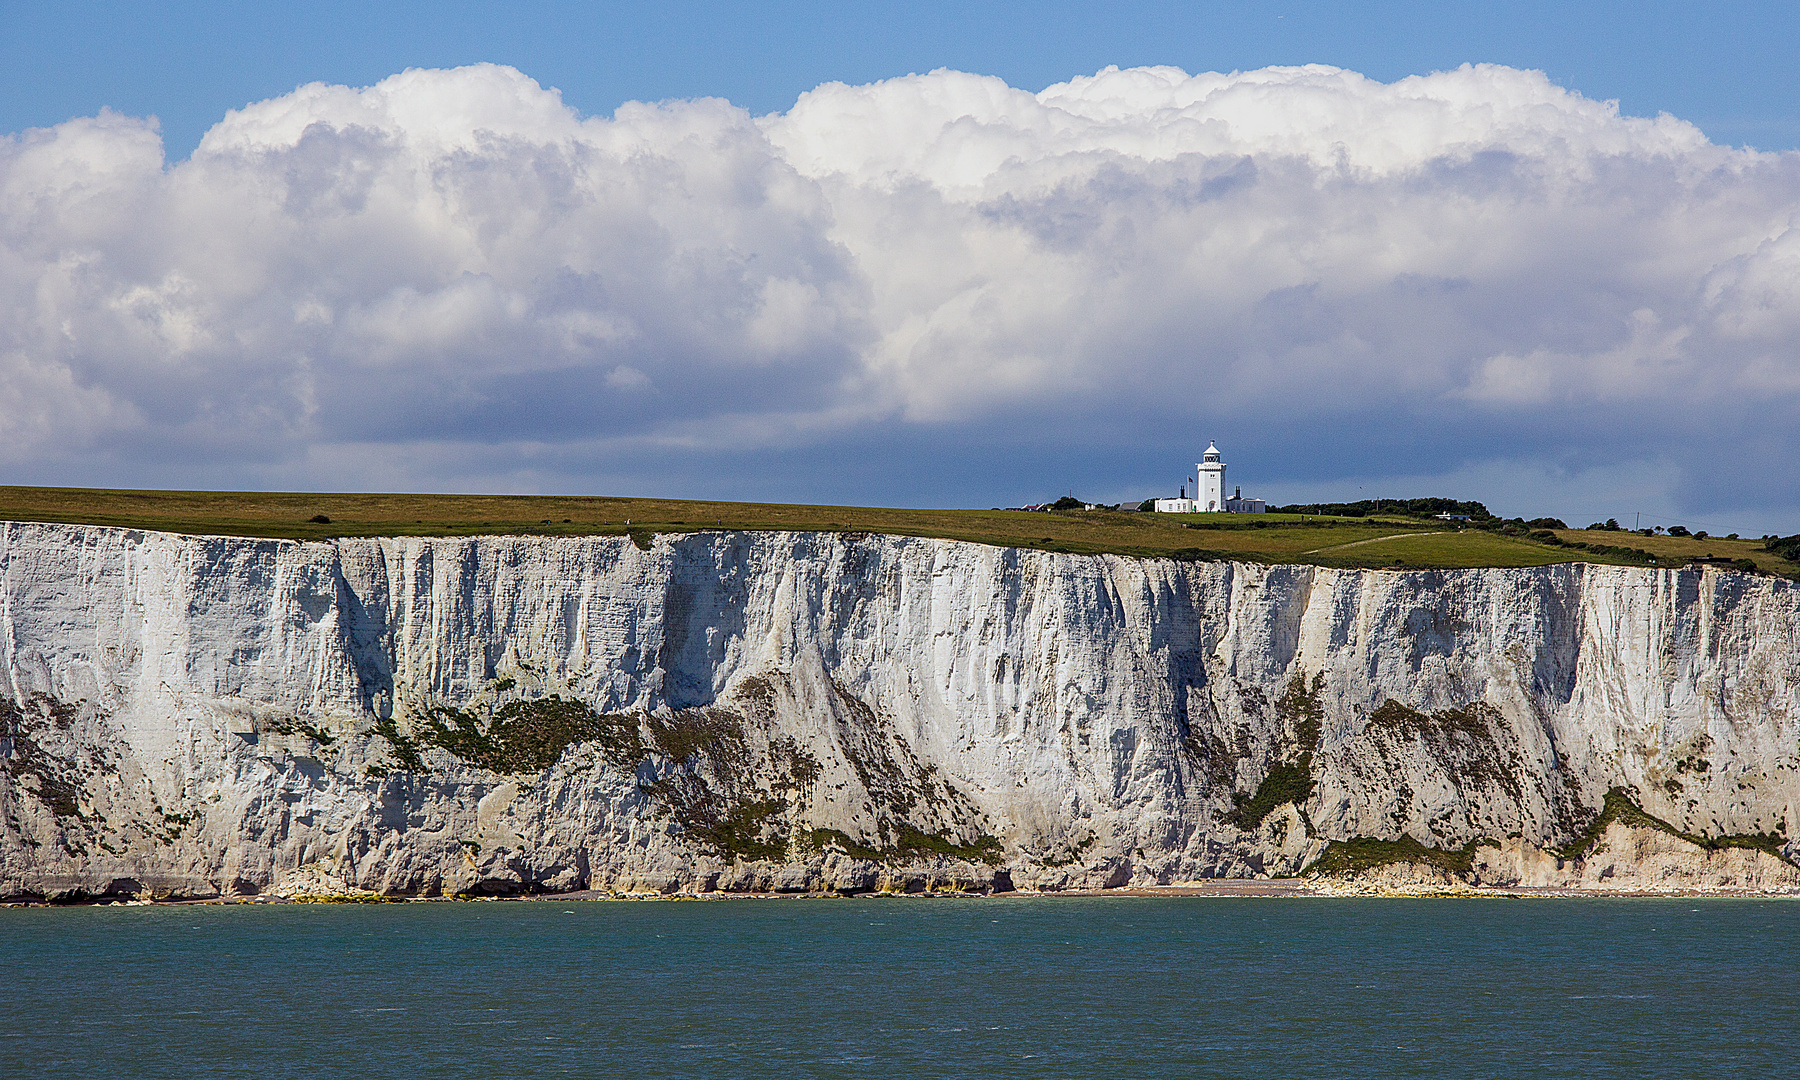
column 1209, row 476
column 1209, row 491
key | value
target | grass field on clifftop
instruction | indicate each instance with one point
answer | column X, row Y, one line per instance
column 1325, row 541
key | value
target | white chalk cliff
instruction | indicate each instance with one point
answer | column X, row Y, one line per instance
column 185, row 715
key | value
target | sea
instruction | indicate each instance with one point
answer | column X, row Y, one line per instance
column 907, row 987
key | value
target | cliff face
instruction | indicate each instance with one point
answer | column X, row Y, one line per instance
column 194, row 715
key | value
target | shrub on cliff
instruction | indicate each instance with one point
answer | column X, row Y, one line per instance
column 1287, row 782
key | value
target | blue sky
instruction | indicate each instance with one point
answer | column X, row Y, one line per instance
column 1725, row 67
column 936, row 291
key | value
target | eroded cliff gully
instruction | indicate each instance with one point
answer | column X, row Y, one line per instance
column 190, row 716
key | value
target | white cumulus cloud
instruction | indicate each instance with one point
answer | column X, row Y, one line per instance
column 452, row 266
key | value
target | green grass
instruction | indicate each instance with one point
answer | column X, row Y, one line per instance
column 291, row 516
column 1270, row 538
column 1452, row 550
column 1686, row 547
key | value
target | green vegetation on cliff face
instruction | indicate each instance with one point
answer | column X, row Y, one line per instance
column 56, row 783
column 910, row 844
column 1619, row 806
column 1301, row 713
column 1286, row 783
column 734, row 796
column 1370, row 540
column 1344, row 858
column 529, row 736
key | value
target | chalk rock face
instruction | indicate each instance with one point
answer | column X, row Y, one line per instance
column 789, row 711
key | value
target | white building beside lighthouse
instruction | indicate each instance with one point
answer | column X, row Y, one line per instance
column 1209, row 491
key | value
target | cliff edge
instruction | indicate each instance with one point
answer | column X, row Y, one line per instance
column 194, row 716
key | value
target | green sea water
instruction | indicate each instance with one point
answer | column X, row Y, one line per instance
column 1104, row 987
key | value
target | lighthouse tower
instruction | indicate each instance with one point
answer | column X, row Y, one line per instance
column 1209, row 474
